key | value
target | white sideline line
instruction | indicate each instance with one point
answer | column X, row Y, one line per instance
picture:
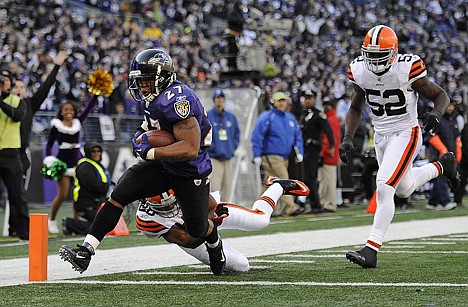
column 15, row 271
column 445, row 239
column 424, row 252
column 422, row 243
column 313, row 256
column 172, row 273
column 459, row 236
column 403, row 246
column 279, row 261
column 325, row 218
column 256, row 283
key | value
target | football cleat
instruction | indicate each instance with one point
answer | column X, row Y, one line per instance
column 366, row 257
column 449, row 169
column 217, row 258
column 78, row 257
column 290, row 186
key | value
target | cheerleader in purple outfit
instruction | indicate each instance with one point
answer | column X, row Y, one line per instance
column 66, row 127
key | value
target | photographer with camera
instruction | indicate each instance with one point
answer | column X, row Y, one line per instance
column 12, row 111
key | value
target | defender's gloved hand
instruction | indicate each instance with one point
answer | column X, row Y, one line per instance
column 345, row 148
column 431, row 122
column 141, row 150
column 221, row 212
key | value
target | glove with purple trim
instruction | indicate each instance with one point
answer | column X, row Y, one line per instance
column 141, row 150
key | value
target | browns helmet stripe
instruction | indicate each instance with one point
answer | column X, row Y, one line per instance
column 376, row 35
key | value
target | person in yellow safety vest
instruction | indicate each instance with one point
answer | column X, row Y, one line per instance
column 92, row 181
column 12, row 111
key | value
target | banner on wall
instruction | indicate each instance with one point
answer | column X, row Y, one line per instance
column 116, row 158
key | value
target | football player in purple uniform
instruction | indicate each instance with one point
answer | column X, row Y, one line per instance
column 183, row 166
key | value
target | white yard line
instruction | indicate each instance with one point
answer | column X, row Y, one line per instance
column 258, row 283
column 15, row 271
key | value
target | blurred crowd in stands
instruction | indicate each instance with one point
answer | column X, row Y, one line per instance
column 312, row 54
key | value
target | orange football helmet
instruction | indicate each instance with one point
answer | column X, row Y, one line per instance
column 380, row 48
column 165, row 205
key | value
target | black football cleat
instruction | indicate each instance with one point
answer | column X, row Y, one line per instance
column 217, row 258
column 366, row 257
column 290, row 186
column 79, row 257
column 449, row 169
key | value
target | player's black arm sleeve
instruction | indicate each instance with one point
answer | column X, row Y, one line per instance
column 16, row 114
column 38, row 98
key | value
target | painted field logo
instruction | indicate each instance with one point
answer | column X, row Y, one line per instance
column 182, row 107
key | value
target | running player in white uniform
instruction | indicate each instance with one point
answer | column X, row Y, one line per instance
column 160, row 216
column 390, row 83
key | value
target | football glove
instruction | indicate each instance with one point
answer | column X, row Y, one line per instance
column 221, row 212
column 346, row 147
column 141, row 150
column 431, row 122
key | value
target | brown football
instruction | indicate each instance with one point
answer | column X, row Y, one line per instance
column 158, row 138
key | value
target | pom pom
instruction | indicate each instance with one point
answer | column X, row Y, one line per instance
column 100, row 82
column 55, row 171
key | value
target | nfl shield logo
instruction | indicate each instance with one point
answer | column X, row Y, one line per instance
column 182, row 108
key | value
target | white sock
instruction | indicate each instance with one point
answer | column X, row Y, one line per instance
column 91, row 240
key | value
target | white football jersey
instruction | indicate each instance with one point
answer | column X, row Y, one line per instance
column 153, row 225
column 390, row 97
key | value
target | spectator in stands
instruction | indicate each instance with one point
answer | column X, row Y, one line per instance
column 92, row 181
column 226, row 137
column 441, row 143
column 12, row 112
column 66, row 127
column 327, row 173
column 313, row 123
column 274, row 137
column 235, row 19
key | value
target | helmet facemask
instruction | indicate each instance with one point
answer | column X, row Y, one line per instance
column 152, row 72
column 378, row 59
column 164, row 205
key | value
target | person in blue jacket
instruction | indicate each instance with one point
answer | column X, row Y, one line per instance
column 275, row 136
column 226, row 136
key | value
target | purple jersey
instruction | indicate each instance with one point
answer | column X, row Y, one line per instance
column 177, row 103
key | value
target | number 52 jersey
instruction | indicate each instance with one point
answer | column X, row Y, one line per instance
column 390, row 97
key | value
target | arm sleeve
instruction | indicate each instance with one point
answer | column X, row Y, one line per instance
column 92, row 101
column 16, row 114
column 86, row 174
column 38, row 98
column 50, row 142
